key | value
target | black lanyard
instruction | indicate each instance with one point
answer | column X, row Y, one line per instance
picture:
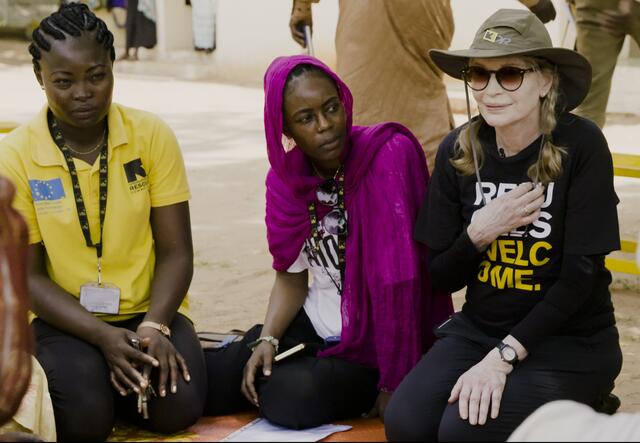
column 104, row 180
column 342, row 235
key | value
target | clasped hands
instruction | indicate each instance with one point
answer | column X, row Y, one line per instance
column 131, row 368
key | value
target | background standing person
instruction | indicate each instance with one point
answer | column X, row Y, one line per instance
column 140, row 27
column 204, row 24
column 602, row 26
column 389, row 71
column 104, row 192
column 118, row 5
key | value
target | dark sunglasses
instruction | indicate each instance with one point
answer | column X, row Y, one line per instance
column 510, row 78
column 335, row 222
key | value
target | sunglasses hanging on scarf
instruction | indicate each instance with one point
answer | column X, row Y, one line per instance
column 330, row 193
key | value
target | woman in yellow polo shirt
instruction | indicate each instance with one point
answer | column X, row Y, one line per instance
column 104, row 192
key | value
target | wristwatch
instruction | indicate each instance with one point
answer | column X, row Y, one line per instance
column 507, row 353
column 164, row 329
column 268, row 338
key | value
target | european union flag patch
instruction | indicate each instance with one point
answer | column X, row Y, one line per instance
column 46, row 190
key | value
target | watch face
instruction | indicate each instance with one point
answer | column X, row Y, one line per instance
column 509, row 354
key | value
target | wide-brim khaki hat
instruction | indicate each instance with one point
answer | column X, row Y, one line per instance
column 518, row 32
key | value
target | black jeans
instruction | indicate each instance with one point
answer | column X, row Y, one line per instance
column 303, row 391
column 85, row 404
column 570, row 368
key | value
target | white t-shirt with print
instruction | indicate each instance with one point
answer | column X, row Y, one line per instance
column 322, row 304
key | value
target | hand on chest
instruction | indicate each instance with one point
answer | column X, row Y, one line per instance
column 518, row 258
column 540, row 229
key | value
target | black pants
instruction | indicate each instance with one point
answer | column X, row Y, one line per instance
column 571, row 368
column 303, row 390
column 85, row 404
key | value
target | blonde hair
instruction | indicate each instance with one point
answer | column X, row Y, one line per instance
column 548, row 167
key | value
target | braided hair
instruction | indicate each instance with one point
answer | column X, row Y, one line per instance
column 71, row 19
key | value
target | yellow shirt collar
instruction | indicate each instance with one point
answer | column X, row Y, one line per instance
column 45, row 152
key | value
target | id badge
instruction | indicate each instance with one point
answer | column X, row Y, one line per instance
column 100, row 298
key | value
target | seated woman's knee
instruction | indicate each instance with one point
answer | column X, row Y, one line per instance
column 453, row 428
column 292, row 399
column 178, row 411
column 83, row 397
column 85, row 418
column 403, row 421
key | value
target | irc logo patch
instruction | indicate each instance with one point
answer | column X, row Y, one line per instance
column 136, row 175
column 47, row 190
column 134, row 169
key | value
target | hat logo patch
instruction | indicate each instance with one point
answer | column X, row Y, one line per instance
column 494, row 37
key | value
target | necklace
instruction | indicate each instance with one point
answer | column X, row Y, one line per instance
column 99, row 145
column 319, row 174
column 342, row 234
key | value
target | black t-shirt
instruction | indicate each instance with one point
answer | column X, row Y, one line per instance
column 508, row 280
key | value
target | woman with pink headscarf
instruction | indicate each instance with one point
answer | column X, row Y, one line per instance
column 341, row 205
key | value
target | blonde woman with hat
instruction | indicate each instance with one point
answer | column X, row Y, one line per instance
column 521, row 210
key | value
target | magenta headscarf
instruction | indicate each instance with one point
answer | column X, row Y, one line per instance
column 388, row 307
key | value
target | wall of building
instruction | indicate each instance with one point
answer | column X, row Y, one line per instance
column 174, row 25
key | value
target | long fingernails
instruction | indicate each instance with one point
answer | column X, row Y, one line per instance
column 188, row 378
column 174, row 389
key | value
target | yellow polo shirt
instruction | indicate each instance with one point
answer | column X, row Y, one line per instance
column 146, row 170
